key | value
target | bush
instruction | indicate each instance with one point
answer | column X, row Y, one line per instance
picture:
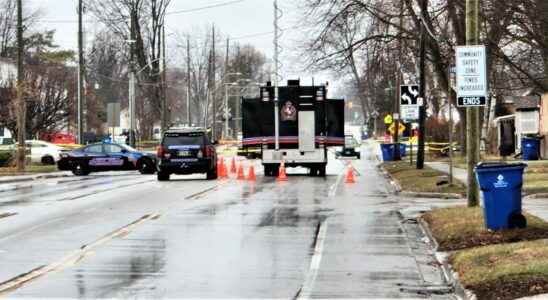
column 5, row 158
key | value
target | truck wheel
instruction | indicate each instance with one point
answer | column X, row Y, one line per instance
column 162, row 176
column 267, row 170
column 146, row 166
column 271, row 170
column 211, row 175
column 322, row 171
column 48, row 160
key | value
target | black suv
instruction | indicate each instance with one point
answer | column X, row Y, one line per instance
column 186, row 151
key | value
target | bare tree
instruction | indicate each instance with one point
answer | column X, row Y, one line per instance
column 145, row 19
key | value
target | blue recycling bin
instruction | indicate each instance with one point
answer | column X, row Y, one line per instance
column 403, row 150
column 530, row 147
column 500, row 185
column 387, row 152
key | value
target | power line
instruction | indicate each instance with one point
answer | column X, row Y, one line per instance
column 203, row 7
column 184, row 11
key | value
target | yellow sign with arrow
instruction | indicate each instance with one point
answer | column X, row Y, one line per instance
column 400, row 130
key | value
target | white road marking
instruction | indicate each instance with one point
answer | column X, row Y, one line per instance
column 308, row 285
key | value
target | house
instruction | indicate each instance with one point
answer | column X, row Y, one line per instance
column 516, row 117
column 544, row 125
column 5, row 133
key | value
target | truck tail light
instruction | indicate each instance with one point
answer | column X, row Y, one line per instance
column 161, row 151
column 209, row 151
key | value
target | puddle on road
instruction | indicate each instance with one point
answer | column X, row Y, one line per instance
column 130, row 261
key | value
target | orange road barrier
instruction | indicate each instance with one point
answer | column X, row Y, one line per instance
column 251, row 174
column 241, row 175
column 350, row 174
column 282, row 176
column 233, row 166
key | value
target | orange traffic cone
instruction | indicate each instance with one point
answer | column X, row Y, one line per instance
column 350, row 174
column 219, row 167
column 241, row 175
column 282, row 176
column 223, row 169
column 251, row 174
column 233, row 166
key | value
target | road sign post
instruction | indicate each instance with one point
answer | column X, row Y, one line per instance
column 471, row 87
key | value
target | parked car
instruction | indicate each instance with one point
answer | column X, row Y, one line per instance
column 106, row 157
column 7, row 144
column 349, row 148
column 186, row 150
column 43, row 152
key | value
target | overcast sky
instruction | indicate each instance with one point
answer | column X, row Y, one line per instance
column 237, row 19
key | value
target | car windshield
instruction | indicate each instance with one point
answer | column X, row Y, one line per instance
column 349, row 141
column 193, row 138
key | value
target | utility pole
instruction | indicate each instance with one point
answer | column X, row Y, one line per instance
column 81, row 74
column 422, row 87
column 189, row 84
column 21, row 105
column 226, row 88
column 450, row 102
column 276, row 76
column 131, row 87
column 213, row 99
column 472, row 113
column 396, row 115
column 165, row 109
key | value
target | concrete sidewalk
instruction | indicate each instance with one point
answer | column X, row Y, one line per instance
column 458, row 173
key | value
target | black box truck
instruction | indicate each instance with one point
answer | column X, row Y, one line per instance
column 297, row 129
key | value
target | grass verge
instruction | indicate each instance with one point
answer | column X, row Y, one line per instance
column 506, row 271
column 457, row 228
column 31, row 169
column 425, row 180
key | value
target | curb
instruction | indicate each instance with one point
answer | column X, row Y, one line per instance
column 399, row 191
column 395, row 184
column 450, row 275
column 431, row 195
column 27, row 178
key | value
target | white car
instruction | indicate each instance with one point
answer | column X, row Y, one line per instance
column 43, row 152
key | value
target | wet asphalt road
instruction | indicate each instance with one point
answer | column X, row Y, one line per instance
column 123, row 235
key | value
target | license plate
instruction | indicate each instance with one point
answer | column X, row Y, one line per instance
column 184, row 153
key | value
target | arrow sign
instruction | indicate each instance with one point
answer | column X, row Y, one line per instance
column 409, row 94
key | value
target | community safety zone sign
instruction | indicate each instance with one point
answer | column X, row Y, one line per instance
column 471, row 76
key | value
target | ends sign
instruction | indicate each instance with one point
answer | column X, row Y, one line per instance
column 471, row 76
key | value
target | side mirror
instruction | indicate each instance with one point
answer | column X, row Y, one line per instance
column 124, row 151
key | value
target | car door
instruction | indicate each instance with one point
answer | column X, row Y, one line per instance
column 95, row 157
column 116, row 157
column 36, row 151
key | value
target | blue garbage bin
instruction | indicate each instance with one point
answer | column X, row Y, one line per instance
column 501, row 188
column 530, row 147
column 387, row 152
column 403, row 150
